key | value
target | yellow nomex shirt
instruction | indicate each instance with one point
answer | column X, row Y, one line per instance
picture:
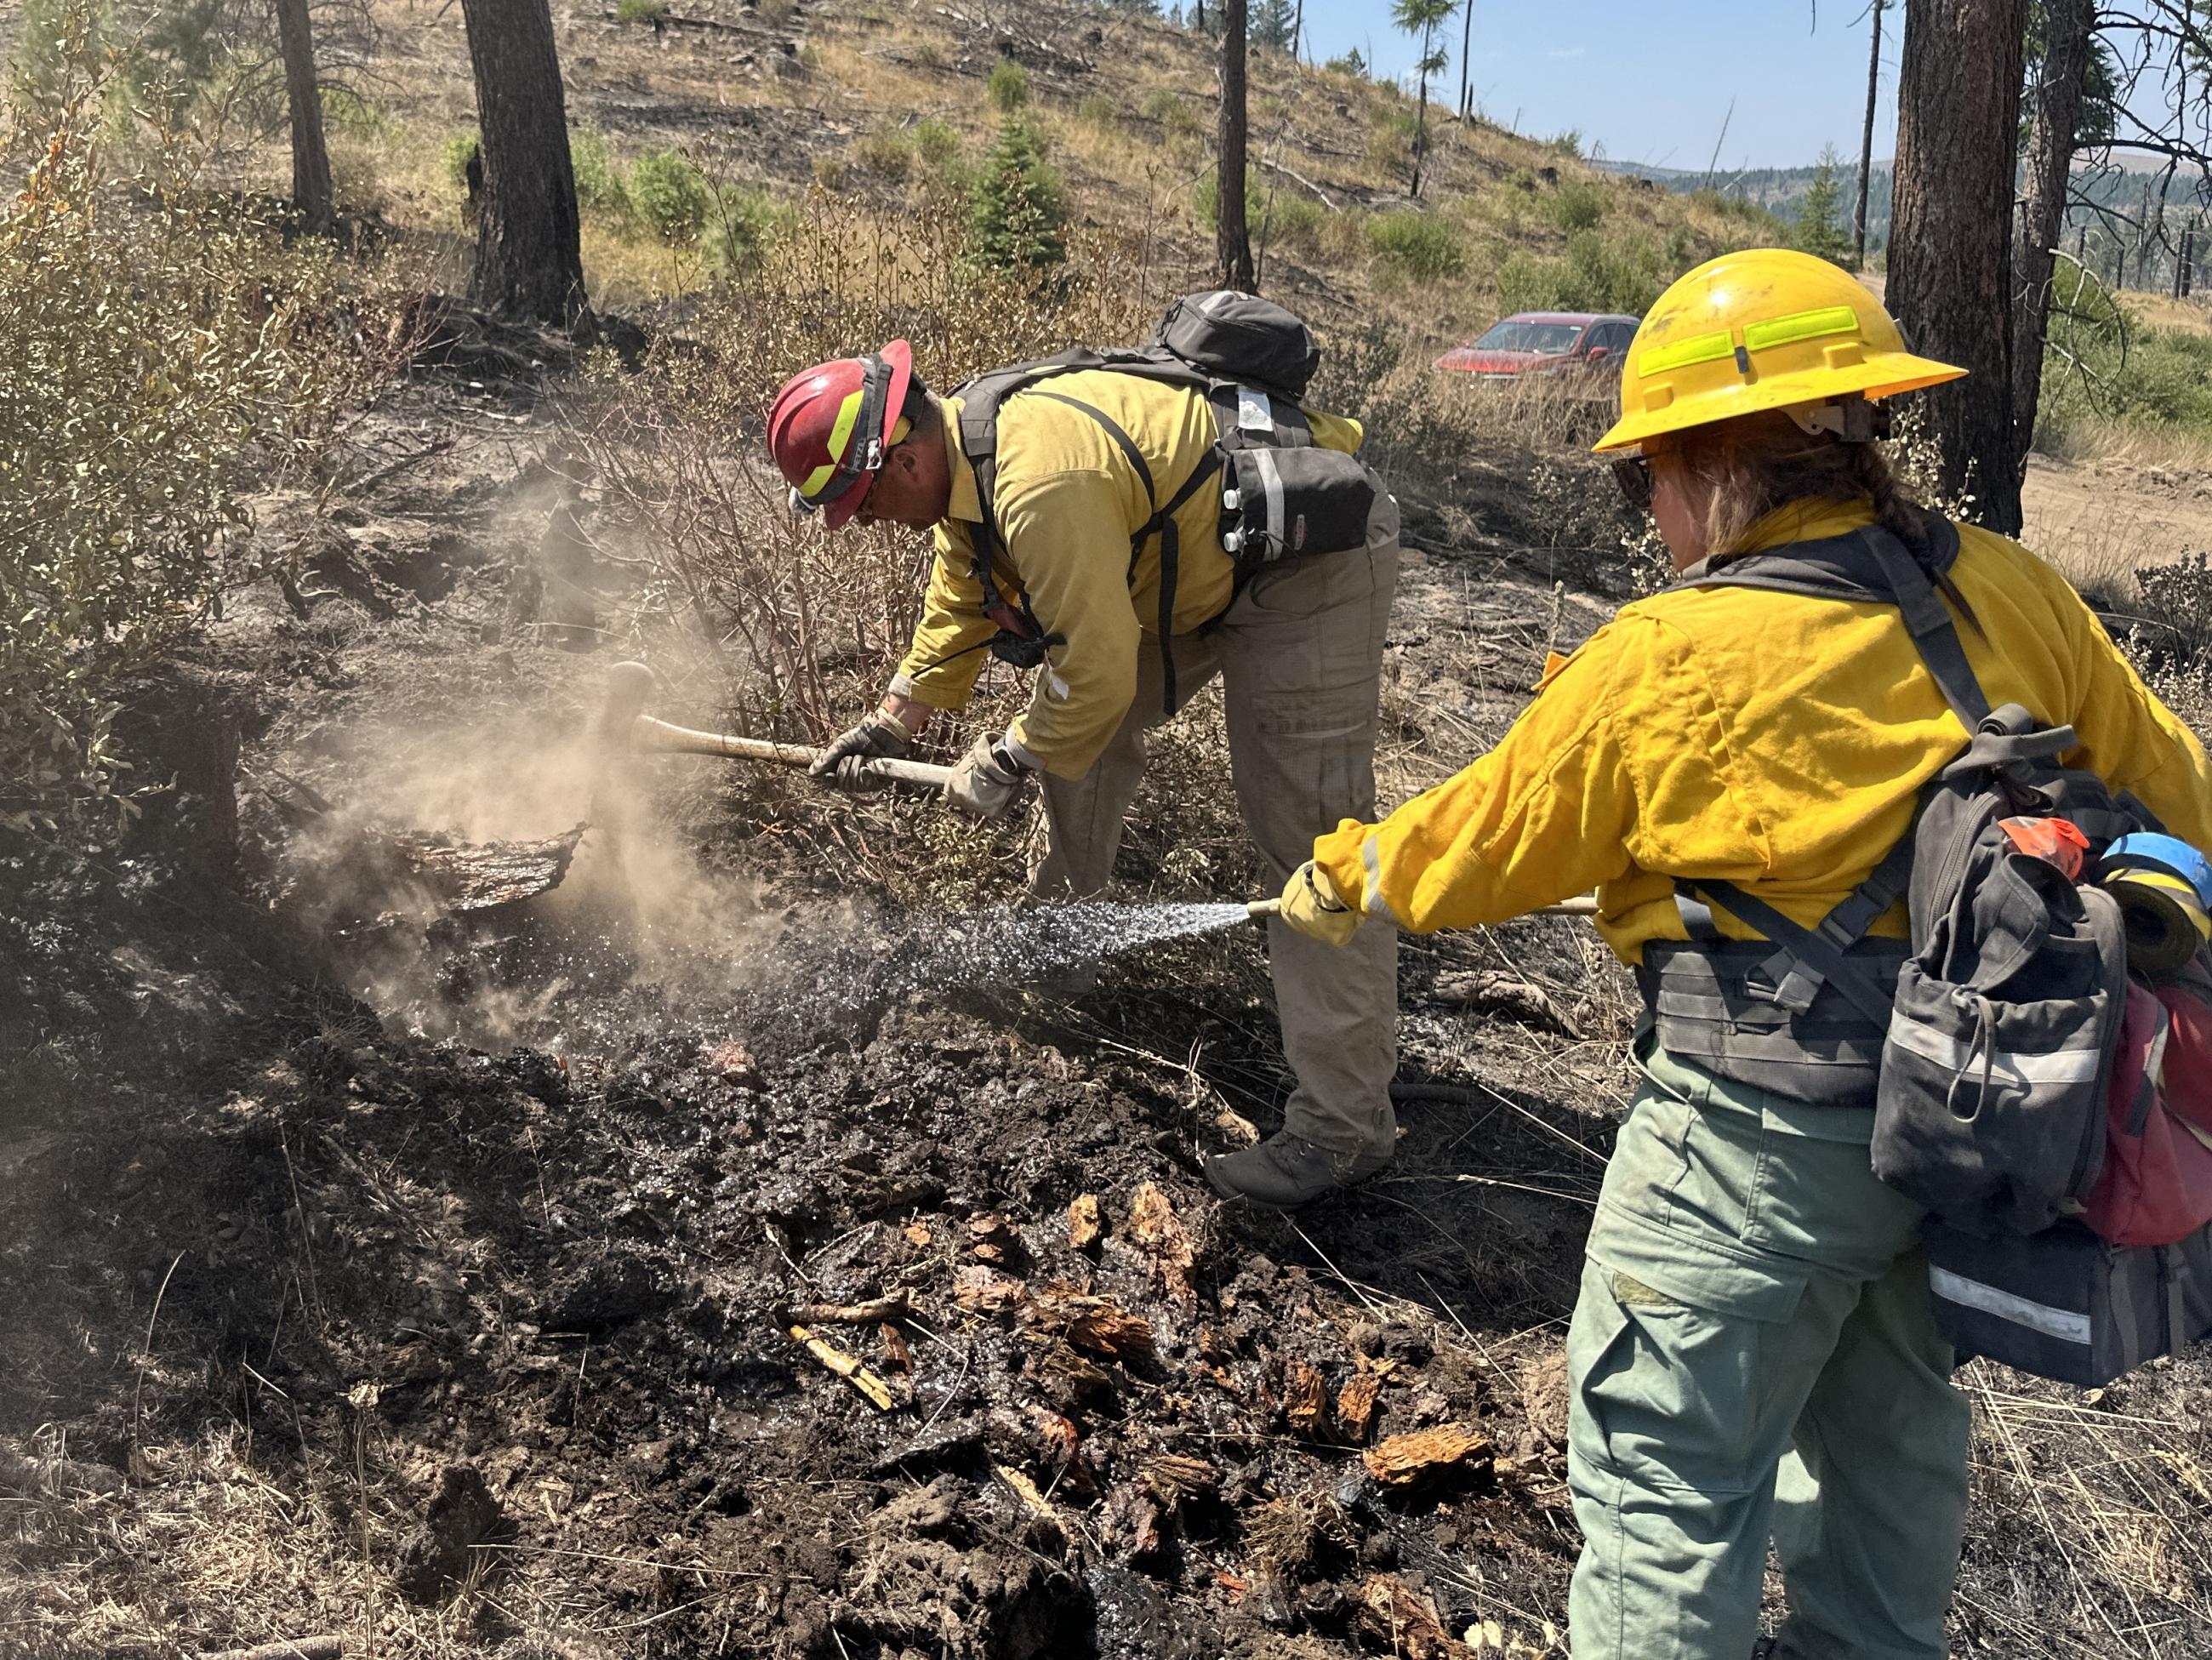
column 1067, row 502
column 1757, row 737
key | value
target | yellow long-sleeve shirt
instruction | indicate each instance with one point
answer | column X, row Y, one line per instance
column 1756, row 737
column 1067, row 502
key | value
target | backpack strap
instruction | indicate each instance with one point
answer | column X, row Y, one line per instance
column 1871, row 563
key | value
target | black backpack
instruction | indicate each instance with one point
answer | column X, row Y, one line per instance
column 1283, row 496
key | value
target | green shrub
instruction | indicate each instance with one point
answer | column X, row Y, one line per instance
column 1096, row 110
column 670, row 195
column 146, row 356
column 1569, row 143
column 453, row 159
column 1598, row 273
column 599, row 186
column 1275, row 217
column 938, row 142
column 349, row 112
column 747, row 225
column 640, row 11
column 886, row 154
column 1577, row 206
column 1414, row 245
column 1008, row 86
column 1017, row 206
column 1175, row 117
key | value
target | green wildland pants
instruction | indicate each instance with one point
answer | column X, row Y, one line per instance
column 1753, row 1354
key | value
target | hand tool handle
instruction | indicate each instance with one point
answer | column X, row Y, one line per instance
column 648, row 734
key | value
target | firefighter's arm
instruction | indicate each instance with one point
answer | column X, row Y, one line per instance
column 1542, row 818
column 1066, row 533
column 947, row 652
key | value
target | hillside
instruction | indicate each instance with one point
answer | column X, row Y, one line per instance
column 893, row 102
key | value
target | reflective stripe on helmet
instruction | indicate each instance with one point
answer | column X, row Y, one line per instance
column 1802, row 326
column 1703, row 349
column 841, row 440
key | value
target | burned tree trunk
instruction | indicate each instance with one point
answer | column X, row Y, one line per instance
column 528, row 263
column 1866, row 143
column 1232, row 237
column 311, row 160
column 2055, row 113
column 1950, row 249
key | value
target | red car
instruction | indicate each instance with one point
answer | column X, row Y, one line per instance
column 1535, row 342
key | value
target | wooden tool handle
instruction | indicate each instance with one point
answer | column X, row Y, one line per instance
column 648, row 734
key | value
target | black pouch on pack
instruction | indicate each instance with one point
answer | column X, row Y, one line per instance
column 1284, row 504
column 1242, row 338
column 2065, row 1305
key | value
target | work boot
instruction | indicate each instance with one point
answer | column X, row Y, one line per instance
column 1286, row 1170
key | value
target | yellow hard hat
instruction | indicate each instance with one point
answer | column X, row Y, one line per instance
column 1765, row 329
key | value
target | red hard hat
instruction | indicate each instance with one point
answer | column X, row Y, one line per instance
column 830, row 426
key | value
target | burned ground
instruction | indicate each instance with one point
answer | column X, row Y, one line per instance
column 622, row 1271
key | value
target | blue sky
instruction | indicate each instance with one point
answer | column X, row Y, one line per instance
column 1651, row 82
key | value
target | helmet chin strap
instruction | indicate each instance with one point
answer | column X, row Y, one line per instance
column 1851, row 418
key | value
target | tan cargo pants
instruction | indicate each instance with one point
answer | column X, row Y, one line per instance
column 1300, row 655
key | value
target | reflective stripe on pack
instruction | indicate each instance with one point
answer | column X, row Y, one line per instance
column 2003, row 1066
column 2063, row 1324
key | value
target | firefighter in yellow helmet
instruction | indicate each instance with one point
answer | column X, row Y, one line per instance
column 1753, row 1354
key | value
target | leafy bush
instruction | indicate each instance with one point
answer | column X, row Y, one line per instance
column 1274, row 217
column 1008, row 86
column 670, row 195
column 1017, row 207
column 1414, row 245
column 453, row 158
column 747, row 225
column 1623, row 273
column 1175, row 117
column 1096, row 110
column 640, row 11
column 349, row 112
column 1351, row 63
column 151, row 344
column 886, row 154
column 938, row 142
column 1577, row 206
column 600, row 185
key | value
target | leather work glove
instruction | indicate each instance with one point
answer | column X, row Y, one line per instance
column 1313, row 907
column 987, row 779
column 880, row 735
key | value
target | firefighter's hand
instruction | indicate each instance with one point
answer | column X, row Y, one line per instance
column 844, row 762
column 987, row 779
column 1313, row 907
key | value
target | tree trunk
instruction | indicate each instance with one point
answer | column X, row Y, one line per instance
column 1232, row 238
column 1950, row 246
column 1866, row 143
column 528, row 264
column 1421, row 118
column 2054, row 117
column 1465, row 38
column 310, row 161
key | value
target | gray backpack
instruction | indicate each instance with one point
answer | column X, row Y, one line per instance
column 1283, row 496
column 1998, row 1032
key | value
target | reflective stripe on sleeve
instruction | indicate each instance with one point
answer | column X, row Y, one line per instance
column 1371, row 863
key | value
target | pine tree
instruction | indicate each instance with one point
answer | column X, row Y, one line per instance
column 1351, row 63
column 1424, row 18
column 1275, row 25
column 1817, row 231
column 1018, row 209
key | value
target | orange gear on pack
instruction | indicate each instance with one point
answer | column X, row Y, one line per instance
column 830, row 426
column 1765, row 329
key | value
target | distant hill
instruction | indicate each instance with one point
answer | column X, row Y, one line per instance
column 1778, row 190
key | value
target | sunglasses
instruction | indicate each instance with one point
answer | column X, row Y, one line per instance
column 1633, row 474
